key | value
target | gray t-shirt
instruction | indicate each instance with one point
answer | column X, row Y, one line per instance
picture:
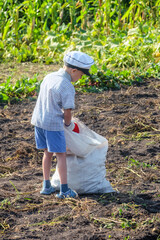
column 56, row 93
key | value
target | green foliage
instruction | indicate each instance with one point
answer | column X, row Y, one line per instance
column 122, row 36
column 98, row 82
column 134, row 163
column 23, row 88
column 128, row 224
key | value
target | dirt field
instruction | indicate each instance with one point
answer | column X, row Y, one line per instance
column 130, row 120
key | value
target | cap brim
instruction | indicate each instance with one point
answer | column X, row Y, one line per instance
column 86, row 71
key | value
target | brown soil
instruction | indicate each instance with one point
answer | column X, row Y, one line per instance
column 130, row 120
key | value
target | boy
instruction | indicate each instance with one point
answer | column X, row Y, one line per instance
column 53, row 111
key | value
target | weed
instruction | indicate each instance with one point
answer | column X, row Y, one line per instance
column 127, row 238
column 141, row 135
column 135, row 163
column 120, row 212
column 128, row 223
column 111, row 222
column 5, row 203
column 18, row 193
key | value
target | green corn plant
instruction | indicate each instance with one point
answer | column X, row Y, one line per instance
column 49, row 11
column 107, row 15
column 72, row 11
column 142, row 11
column 31, row 14
column 10, row 17
column 84, row 14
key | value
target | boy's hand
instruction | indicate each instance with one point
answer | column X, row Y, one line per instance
column 73, row 127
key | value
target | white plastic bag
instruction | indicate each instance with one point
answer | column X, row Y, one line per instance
column 86, row 158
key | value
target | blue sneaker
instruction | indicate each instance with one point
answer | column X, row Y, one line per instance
column 69, row 194
column 47, row 191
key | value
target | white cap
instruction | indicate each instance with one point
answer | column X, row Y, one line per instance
column 78, row 60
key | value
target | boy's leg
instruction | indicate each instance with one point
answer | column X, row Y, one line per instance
column 62, row 170
column 62, row 167
column 46, row 166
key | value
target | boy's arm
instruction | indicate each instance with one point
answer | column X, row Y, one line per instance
column 68, row 123
column 67, row 116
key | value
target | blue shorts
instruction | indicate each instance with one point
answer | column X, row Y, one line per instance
column 54, row 141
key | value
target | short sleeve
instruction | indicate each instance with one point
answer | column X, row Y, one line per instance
column 68, row 97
